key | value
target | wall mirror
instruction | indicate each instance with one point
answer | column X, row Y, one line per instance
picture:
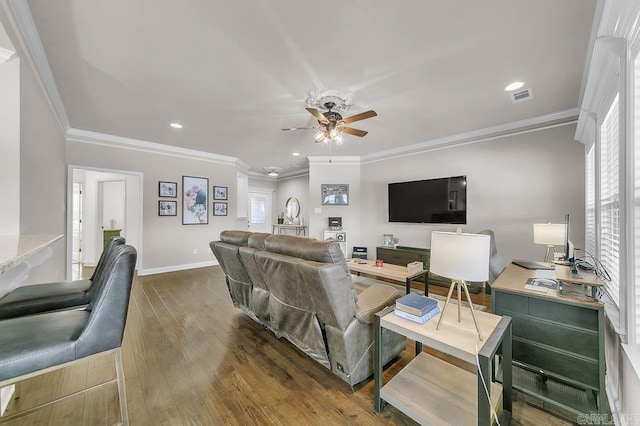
column 292, row 208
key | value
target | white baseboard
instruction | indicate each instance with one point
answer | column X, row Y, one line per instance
column 174, row 268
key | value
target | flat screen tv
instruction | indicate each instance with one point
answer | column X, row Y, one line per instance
column 442, row 200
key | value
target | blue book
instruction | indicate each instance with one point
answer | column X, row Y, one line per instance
column 419, row 319
column 416, row 304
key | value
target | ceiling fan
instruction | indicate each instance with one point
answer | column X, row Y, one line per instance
column 332, row 125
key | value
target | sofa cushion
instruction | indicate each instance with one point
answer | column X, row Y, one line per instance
column 374, row 299
column 238, row 238
column 256, row 240
column 326, row 251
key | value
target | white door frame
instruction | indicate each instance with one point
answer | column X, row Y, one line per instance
column 69, row 216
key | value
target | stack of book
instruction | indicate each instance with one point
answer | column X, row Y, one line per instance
column 417, row 308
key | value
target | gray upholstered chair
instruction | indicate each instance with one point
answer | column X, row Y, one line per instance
column 496, row 264
column 32, row 299
column 37, row 344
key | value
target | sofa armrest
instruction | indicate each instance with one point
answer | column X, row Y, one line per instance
column 373, row 300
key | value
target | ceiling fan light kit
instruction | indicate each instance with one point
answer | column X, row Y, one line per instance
column 272, row 171
column 330, row 122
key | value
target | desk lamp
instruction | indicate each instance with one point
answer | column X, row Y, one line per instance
column 461, row 257
column 549, row 234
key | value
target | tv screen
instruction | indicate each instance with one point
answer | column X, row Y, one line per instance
column 442, row 200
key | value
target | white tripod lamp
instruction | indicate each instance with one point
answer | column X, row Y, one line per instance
column 461, row 257
column 551, row 235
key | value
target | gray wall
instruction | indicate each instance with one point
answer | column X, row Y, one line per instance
column 42, row 168
column 513, row 182
column 167, row 244
column 297, row 187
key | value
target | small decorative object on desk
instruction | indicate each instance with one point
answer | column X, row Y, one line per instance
column 415, row 304
column 541, row 284
column 379, row 263
column 419, row 319
column 415, row 267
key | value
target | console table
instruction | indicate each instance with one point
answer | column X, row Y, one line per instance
column 432, row 391
column 282, row 229
column 403, row 255
column 389, row 271
column 558, row 340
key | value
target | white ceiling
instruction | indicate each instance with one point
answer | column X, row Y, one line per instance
column 235, row 73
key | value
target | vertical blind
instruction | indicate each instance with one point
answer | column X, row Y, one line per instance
column 610, row 199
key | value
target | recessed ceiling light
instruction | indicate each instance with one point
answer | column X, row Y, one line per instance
column 176, row 125
column 514, row 86
column 295, row 154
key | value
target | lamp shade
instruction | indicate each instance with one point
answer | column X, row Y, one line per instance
column 460, row 256
column 551, row 234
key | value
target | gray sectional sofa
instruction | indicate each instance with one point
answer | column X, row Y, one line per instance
column 301, row 289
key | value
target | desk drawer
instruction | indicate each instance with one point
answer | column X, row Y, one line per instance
column 573, row 340
column 556, row 362
column 562, row 313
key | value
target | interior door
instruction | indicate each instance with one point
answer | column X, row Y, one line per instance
column 259, row 211
column 76, row 231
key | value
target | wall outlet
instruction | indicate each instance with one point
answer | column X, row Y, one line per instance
column 317, row 210
column 195, row 251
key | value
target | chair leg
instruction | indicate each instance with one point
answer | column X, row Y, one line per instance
column 122, row 394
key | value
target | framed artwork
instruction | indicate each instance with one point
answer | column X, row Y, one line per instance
column 167, row 208
column 335, row 194
column 194, row 200
column 220, row 192
column 219, row 209
column 167, row 189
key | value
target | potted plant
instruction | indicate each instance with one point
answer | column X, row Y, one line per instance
column 281, row 218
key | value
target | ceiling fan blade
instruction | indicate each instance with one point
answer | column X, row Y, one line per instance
column 302, row 128
column 354, row 132
column 361, row 116
column 317, row 114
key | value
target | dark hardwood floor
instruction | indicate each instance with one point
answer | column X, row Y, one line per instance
column 190, row 358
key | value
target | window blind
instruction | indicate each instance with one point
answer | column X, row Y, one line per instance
column 610, row 199
column 590, row 199
column 636, row 193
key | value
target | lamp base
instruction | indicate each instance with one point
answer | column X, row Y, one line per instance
column 462, row 285
column 550, row 250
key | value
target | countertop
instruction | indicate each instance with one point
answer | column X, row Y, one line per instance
column 15, row 249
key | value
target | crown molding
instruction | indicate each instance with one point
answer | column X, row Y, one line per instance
column 335, row 160
column 561, row 118
column 5, row 55
column 85, row 136
column 29, row 39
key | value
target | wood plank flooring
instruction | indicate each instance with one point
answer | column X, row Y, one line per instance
column 190, row 358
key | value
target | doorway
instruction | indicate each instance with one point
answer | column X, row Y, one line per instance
column 76, row 232
column 98, row 200
column 260, row 210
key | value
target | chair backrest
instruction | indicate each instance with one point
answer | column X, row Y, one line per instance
column 108, row 308
column 496, row 264
column 106, row 253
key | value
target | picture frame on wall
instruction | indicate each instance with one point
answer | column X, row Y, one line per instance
column 167, row 189
column 219, row 209
column 335, row 194
column 220, row 192
column 167, row 208
column 195, row 200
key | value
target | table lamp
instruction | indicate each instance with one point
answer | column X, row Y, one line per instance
column 549, row 234
column 461, row 257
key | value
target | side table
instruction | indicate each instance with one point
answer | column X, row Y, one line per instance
column 432, row 391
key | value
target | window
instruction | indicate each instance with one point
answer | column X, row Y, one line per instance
column 610, row 199
column 636, row 143
column 590, row 199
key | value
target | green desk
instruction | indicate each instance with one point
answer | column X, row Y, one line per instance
column 558, row 341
